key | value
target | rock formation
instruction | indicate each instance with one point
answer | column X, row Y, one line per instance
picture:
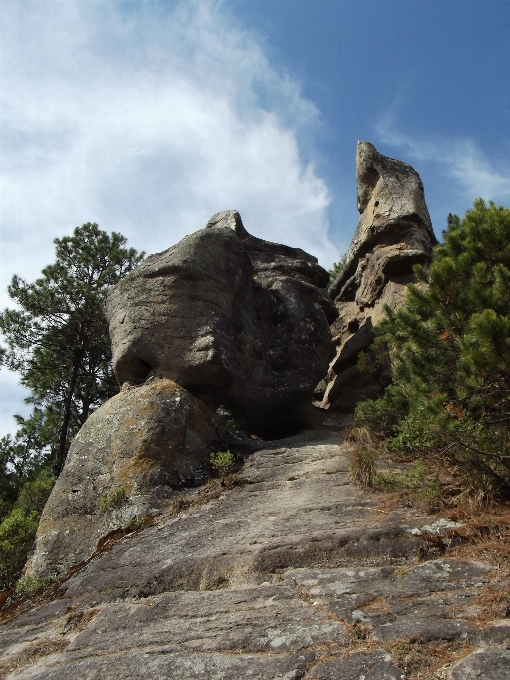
column 122, row 465
column 236, row 320
column 294, row 574
column 291, row 572
column 394, row 233
column 232, row 319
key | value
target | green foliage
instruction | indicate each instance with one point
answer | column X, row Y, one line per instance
column 34, row 493
column 17, row 533
column 19, row 525
column 57, row 339
column 450, row 351
column 31, row 585
column 337, row 268
column 234, row 424
column 114, row 499
column 222, row 462
column 415, row 481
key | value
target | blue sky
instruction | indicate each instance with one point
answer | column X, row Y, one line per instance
column 149, row 116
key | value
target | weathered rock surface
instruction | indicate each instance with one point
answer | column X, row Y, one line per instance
column 493, row 664
column 236, row 320
column 394, row 233
column 123, row 464
column 295, row 574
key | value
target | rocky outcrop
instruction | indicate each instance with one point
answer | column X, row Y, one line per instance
column 220, row 319
column 293, row 574
column 393, row 234
column 236, row 320
column 123, row 465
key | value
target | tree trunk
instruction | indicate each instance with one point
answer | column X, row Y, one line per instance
column 60, row 457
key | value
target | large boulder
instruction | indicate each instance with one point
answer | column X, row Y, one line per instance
column 236, row 320
column 394, row 233
column 123, row 465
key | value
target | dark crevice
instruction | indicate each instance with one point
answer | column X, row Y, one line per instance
column 133, row 370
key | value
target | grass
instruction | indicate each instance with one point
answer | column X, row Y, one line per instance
column 416, row 481
column 114, row 499
column 420, row 660
column 31, row 653
column 213, row 489
column 362, row 457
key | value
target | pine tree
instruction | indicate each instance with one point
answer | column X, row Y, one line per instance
column 450, row 348
column 337, row 268
column 57, row 338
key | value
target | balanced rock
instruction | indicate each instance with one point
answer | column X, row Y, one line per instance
column 122, row 465
column 236, row 320
column 394, row 233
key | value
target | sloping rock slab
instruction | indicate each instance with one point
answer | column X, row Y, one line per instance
column 175, row 665
column 284, row 576
column 373, row 665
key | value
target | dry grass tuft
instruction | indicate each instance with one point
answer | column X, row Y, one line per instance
column 420, row 660
column 365, row 451
column 484, row 536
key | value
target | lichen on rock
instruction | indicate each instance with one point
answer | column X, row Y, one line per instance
column 124, row 464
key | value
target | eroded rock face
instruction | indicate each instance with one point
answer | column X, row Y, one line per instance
column 123, row 464
column 234, row 319
column 394, row 233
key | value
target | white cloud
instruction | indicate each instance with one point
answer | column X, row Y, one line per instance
column 461, row 159
column 11, row 401
column 147, row 118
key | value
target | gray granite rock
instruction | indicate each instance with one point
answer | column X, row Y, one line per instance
column 369, row 665
column 125, row 463
column 484, row 664
column 394, row 233
column 158, row 663
column 294, row 574
column 236, row 320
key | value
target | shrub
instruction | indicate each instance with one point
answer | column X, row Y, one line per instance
column 222, row 462
column 19, row 526
column 17, row 533
column 31, row 585
column 450, row 352
column 34, row 494
column 114, row 499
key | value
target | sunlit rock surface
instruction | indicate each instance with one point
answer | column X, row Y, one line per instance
column 236, row 320
column 393, row 234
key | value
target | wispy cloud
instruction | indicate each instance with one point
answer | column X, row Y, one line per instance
column 461, row 160
column 147, row 118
